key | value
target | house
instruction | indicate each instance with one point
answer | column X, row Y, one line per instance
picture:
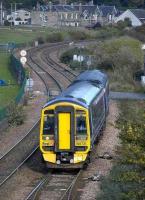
column 19, row 17
column 2, row 13
column 56, row 15
column 73, row 15
column 68, row 15
column 136, row 16
column 102, row 14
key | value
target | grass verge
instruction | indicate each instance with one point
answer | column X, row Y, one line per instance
column 7, row 93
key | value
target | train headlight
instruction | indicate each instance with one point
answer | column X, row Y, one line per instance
column 47, row 138
column 58, row 162
column 71, row 161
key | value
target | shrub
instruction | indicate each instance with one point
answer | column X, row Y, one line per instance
column 40, row 40
column 127, row 178
column 67, row 56
column 78, row 35
column 55, row 37
column 15, row 114
column 7, row 23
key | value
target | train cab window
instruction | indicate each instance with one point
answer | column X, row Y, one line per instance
column 48, row 128
column 81, row 128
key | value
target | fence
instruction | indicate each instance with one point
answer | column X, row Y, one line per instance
column 7, row 47
column 18, row 70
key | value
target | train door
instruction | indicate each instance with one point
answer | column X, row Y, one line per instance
column 64, row 130
column 65, row 127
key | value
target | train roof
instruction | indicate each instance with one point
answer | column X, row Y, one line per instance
column 81, row 93
column 83, row 90
column 94, row 76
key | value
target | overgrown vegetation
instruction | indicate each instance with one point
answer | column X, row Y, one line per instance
column 55, row 37
column 127, row 178
column 120, row 58
column 138, row 33
column 15, row 114
column 67, row 58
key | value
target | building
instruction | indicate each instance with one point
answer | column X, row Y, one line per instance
column 136, row 16
column 73, row 15
column 2, row 14
column 19, row 17
column 56, row 15
column 102, row 14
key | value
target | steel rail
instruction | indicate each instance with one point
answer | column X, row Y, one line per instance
column 9, row 151
column 31, row 130
column 54, row 65
column 69, row 193
column 16, row 169
column 32, row 195
column 50, row 75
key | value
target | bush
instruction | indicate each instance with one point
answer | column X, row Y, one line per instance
column 55, row 37
column 7, row 23
column 40, row 40
column 15, row 114
column 75, row 65
column 121, row 24
column 127, row 178
column 78, row 35
column 67, row 56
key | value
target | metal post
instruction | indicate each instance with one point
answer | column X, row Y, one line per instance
column 1, row 13
column 15, row 13
column 11, row 13
column 144, row 63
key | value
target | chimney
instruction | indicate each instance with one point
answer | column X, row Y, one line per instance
column 80, row 7
column 50, row 6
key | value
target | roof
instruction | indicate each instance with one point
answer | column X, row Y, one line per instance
column 139, row 13
column 84, row 89
column 106, row 10
column 76, row 8
column 95, row 76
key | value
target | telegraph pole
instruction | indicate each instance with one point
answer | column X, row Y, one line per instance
column 11, row 14
column 1, row 13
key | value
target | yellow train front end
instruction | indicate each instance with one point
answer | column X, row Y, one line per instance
column 65, row 135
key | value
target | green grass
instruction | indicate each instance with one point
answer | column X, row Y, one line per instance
column 7, row 93
column 22, row 35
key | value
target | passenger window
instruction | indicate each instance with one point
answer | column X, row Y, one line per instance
column 48, row 128
column 81, row 128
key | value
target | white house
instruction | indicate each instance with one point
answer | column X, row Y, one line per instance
column 19, row 17
column 136, row 16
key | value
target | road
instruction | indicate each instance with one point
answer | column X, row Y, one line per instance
column 127, row 96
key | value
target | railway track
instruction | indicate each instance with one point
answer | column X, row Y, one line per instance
column 56, row 186
column 18, row 154
column 55, row 78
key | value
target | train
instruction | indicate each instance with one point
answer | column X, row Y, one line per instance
column 73, row 120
